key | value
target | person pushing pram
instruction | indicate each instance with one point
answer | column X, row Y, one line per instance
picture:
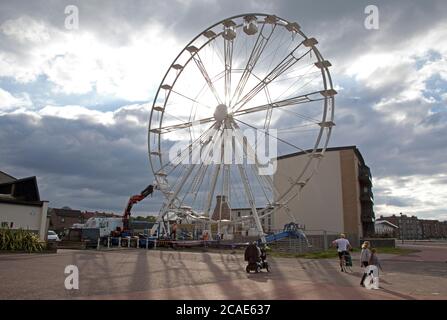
column 256, row 258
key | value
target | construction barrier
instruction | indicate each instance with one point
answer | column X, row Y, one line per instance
column 143, row 243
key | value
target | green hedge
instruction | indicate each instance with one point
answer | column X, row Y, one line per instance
column 19, row 240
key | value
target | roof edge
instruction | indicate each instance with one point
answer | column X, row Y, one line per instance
column 8, row 175
column 22, row 202
column 352, row 147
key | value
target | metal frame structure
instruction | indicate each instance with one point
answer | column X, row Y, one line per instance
column 231, row 106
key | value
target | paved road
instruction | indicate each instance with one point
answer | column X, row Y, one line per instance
column 140, row 274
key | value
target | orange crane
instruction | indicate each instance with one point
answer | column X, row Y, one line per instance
column 132, row 200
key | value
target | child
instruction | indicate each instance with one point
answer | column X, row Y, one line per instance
column 374, row 259
column 372, row 280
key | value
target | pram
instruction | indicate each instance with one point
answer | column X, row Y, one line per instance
column 347, row 261
column 264, row 264
column 372, row 278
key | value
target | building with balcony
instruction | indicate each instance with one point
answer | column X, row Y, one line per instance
column 338, row 198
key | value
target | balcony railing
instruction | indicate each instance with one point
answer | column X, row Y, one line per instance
column 365, row 175
column 367, row 197
column 367, row 217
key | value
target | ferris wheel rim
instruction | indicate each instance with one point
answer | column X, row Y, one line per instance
column 325, row 72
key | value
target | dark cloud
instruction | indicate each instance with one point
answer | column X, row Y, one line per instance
column 84, row 164
column 78, row 162
column 399, row 202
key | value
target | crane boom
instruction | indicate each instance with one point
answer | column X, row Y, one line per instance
column 132, row 200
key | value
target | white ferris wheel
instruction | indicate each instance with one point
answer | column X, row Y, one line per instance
column 243, row 90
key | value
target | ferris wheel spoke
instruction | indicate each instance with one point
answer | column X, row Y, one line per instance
column 185, row 177
column 263, row 188
column 282, row 67
column 268, row 116
column 185, row 151
column 304, row 98
column 204, row 72
column 202, row 179
column 275, row 137
column 268, row 181
column 204, row 165
column 191, row 185
column 309, row 120
column 251, row 154
column 258, row 49
column 183, row 125
column 191, row 99
column 228, row 48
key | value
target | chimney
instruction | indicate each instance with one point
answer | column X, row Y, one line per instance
column 221, row 201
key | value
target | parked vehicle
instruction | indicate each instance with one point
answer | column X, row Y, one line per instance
column 105, row 224
column 52, row 236
column 87, row 237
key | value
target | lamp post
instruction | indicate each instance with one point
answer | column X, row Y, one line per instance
column 402, row 228
column 402, row 234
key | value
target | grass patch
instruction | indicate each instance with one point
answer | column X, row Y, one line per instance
column 328, row 254
column 332, row 254
column 391, row 250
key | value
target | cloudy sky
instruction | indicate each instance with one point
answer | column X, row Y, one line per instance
column 74, row 104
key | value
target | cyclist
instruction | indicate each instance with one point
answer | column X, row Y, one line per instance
column 343, row 246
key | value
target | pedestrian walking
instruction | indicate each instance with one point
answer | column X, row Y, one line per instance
column 365, row 256
column 174, row 231
column 343, row 246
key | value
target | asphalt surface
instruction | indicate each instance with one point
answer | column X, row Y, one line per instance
column 169, row 274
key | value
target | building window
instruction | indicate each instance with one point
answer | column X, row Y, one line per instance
column 238, row 213
column 62, row 219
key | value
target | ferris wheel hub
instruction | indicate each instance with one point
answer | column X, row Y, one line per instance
column 221, row 113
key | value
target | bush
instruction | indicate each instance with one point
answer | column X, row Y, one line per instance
column 19, row 240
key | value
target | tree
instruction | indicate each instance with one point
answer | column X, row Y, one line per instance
column 147, row 218
column 151, row 218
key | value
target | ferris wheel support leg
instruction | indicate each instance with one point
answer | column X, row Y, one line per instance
column 162, row 229
column 213, row 187
column 251, row 201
